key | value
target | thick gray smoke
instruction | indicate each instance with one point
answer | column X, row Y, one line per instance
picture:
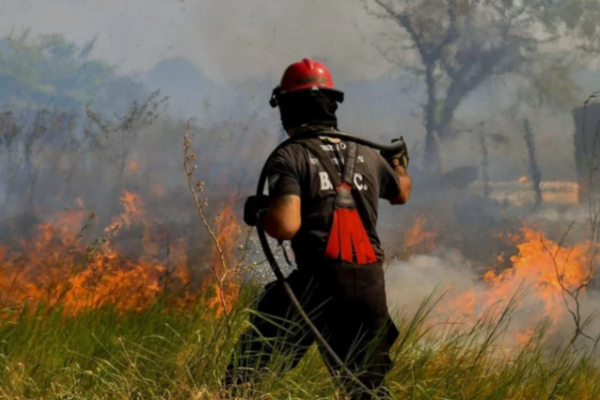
column 229, row 41
column 410, row 282
column 219, row 60
column 464, row 300
column 240, row 49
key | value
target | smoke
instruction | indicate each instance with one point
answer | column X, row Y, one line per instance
column 229, row 40
column 263, row 36
column 132, row 34
column 241, row 47
column 410, row 282
column 465, row 299
column 219, row 60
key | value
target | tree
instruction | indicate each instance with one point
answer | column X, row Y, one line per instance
column 50, row 92
column 459, row 45
column 53, row 71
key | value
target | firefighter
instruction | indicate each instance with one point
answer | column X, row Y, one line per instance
column 323, row 196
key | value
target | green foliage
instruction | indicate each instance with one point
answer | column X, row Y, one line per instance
column 53, row 71
column 181, row 354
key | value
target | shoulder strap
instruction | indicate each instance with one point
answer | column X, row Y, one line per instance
column 349, row 163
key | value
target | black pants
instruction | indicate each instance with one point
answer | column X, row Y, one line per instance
column 347, row 304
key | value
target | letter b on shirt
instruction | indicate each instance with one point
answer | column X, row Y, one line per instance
column 325, row 182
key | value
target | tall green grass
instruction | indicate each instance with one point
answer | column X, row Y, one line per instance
column 162, row 353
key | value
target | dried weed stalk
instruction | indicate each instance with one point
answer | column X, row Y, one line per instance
column 227, row 274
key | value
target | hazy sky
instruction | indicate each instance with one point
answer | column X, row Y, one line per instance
column 233, row 38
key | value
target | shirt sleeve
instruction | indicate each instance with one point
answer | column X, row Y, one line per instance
column 388, row 179
column 282, row 174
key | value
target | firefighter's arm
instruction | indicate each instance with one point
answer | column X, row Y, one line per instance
column 279, row 217
column 405, row 182
column 279, row 213
column 282, row 220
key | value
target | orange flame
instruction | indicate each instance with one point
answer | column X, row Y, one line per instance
column 543, row 266
column 224, row 263
column 548, row 266
column 55, row 269
column 134, row 212
column 157, row 191
column 419, row 238
column 133, row 166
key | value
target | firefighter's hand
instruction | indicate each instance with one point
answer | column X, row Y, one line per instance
column 397, row 157
column 255, row 209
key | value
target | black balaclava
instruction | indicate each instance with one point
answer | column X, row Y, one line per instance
column 308, row 107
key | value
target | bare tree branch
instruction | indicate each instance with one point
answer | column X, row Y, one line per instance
column 462, row 45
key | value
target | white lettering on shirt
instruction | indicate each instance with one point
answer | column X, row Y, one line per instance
column 325, row 182
column 358, row 182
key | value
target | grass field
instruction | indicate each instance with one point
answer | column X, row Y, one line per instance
column 165, row 353
column 121, row 344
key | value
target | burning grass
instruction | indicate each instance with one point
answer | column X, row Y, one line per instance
column 87, row 322
column 55, row 269
column 90, row 321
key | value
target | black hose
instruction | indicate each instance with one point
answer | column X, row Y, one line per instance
column 269, row 253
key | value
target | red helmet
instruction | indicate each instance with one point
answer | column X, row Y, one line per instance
column 305, row 75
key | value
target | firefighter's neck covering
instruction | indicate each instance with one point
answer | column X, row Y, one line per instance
column 348, row 239
column 307, row 107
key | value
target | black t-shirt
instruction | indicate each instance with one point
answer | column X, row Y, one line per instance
column 293, row 169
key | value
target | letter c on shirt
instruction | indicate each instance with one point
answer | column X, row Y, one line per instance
column 358, row 179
